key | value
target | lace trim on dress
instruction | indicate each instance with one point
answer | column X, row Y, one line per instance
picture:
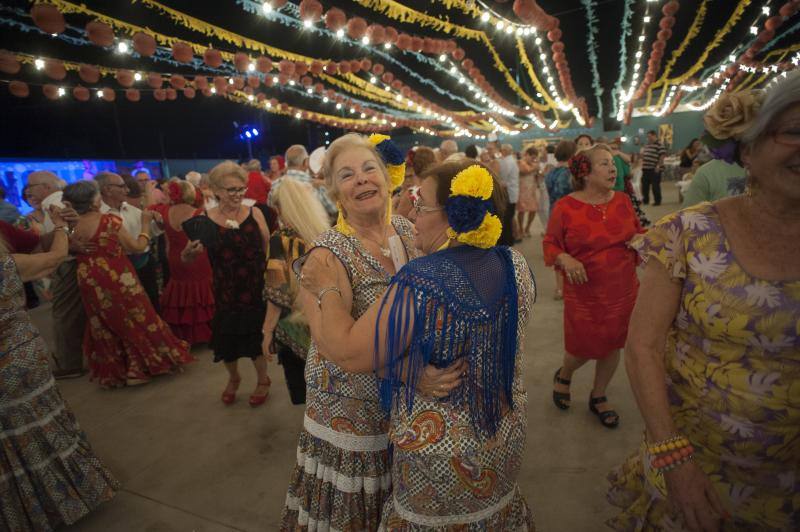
column 461, row 519
column 348, row 442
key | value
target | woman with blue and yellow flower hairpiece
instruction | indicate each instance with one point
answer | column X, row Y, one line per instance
column 468, row 300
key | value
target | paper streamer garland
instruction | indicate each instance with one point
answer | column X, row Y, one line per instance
column 591, row 45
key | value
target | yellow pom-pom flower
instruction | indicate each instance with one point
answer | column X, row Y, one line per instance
column 397, row 174
column 484, row 237
column 474, row 181
column 377, row 138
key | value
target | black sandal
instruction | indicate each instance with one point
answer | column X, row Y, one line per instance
column 609, row 418
column 560, row 399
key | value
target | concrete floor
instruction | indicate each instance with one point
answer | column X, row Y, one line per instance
column 189, row 463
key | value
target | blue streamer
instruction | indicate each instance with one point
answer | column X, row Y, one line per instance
column 623, row 55
column 591, row 44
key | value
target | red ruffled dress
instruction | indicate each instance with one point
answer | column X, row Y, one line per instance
column 596, row 313
column 187, row 302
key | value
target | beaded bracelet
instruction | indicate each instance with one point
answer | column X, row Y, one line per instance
column 670, row 453
column 670, row 444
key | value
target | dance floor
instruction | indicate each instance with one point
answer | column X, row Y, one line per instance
column 189, row 463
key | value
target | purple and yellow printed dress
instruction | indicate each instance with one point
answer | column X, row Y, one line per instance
column 733, row 375
column 48, row 473
column 342, row 477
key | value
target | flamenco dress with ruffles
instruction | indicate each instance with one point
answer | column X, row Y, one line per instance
column 49, row 474
column 187, row 302
column 125, row 338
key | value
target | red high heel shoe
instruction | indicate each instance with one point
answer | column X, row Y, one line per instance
column 258, row 400
column 229, row 397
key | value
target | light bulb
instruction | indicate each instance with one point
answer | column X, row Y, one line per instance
column 307, row 23
column 267, row 7
column 340, row 33
column 39, row 64
column 364, row 40
column 485, row 17
column 122, row 48
column 251, row 67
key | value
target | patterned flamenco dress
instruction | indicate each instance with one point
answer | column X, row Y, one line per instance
column 125, row 338
column 187, row 303
column 49, row 474
column 596, row 313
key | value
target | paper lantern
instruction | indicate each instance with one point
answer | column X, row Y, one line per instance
column 286, row 67
column 554, row 35
column 550, row 23
column 664, row 35
column 182, row 52
column 310, row 10
column 773, row 23
column 356, row 27
column 344, row 67
column 160, row 95
column 108, row 95
column 50, row 91
column 331, row 68
column 283, row 79
column 268, row 81
column 404, row 41
column 417, row 44
column 241, row 61
column 177, row 81
column 81, row 93
column 261, row 96
column 467, row 64
column 220, row 83
column 9, row 63
column 316, row 67
column 154, row 80
column 100, row 33
column 253, row 81
column 391, row 35
column 124, row 77
column 133, row 95
column 387, row 77
column 330, row 93
column 757, row 46
column 559, row 57
column 144, row 44
column 557, row 47
column 263, row 64
column 300, row 68
column 273, row 102
column 335, row 19
column 172, row 94
column 525, row 9
column 659, row 46
column 212, row 58
column 789, row 9
column 397, row 84
column 377, row 69
column 319, row 88
column 670, row 8
column 458, row 54
column 248, row 90
column 200, row 82
column 54, row 69
column 238, row 82
column 765, row 36
column 451, row 46
column 428, row 45
column 306, row 81
column 207, row 92
column 48, row 18
column 376, row 33
column 666, row 23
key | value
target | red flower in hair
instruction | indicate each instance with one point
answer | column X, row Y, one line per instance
column 580, row 166
column 175, row 193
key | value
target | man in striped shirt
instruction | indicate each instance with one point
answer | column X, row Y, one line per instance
column 653, row 155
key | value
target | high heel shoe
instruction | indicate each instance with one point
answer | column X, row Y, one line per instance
column 258, row 400
column 229, row 397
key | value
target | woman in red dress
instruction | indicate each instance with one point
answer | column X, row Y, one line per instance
column 587, row 240
column 125, row 340
column 187, row 302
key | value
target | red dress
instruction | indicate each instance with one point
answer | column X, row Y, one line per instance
column 124, row 337
column 596, row 313
column 257, row 187
column 187, row 302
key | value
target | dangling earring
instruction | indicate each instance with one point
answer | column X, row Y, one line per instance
column 341, row 222
column 750, row 183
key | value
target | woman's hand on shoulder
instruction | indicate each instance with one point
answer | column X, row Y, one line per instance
column 439, row 383
column 320, row 271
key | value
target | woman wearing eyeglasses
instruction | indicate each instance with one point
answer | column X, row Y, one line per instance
column 238, row 260
column 713, row 353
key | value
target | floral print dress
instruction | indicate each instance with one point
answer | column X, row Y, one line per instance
column 125, row 338
column 733, row 375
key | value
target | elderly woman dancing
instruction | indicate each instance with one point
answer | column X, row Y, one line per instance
column 456, row 456
column 714, row 350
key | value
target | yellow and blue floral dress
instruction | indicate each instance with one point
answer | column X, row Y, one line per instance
column 733, row 374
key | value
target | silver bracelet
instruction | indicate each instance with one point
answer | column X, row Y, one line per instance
column 325, row 291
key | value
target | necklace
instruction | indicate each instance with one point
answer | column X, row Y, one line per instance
column 385, row 250
column 232, row 223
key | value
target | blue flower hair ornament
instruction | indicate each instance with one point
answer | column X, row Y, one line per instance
column 392, row 157
column 470, row 210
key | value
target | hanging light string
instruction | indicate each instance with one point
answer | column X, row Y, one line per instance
column 626, row 96
column 627, row 14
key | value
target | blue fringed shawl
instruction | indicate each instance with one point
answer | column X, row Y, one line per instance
column 464, row 305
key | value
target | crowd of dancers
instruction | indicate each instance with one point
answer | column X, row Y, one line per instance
column 388, row 287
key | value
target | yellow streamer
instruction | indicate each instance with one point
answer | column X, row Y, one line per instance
column 694, row 30
column 523, row 57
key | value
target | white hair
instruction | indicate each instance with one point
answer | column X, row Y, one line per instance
column 779, row 96
column 194, row 178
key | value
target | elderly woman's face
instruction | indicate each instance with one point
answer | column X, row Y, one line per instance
column 604, row 173
column 32, row 199
column 232, row 191
column 360, row 181
column 774, row 161
column 430, row 219
column 274, row 165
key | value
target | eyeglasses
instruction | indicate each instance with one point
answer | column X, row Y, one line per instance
column 233, row 191
column 419, row 207
column 788, row 135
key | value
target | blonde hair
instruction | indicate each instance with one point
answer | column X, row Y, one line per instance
column 253, row 165
column 188, row 193
column 344, row 143
column 223, row 170
column 300, row 209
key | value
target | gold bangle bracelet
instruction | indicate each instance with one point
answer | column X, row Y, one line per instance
column 145, row 235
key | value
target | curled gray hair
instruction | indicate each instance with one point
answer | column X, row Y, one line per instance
column 81, row 195
column 779, row 95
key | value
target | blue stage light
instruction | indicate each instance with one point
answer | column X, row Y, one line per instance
column 247, row 134
column 255, row 132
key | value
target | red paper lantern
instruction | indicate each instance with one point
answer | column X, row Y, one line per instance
column 241, row 61
column 238, row 82
column 253, row 81
column 182, row 52
column 160, row 95
column 664, row 35
column 268, row 81
column 788, row 9
column 404, row 41
column 306, row 81
column 356, row 27
column 261, row 96
column 670, row 8
column 557, row 47
column 376, row 33
column 391, row 35
column 286, row 67
column 344, row 67
column 172, row 94
column 154, row 80
column 525, row 9
column 397, row 84
column 48, row 18
column 300, row 68
column 200, row 82
column 387, row 77
column 355, row 66
column 273, row 102
column 54, row 69
column 188, row 93
column 659, row 46
column 467, row 64
column 458, row 54
column 366, row 64
column 757, row 46
column 9, row 63
column 559, row 57
column 417, row 44
column 283, row 79
column 773, row 23
column 316, row 67
column 666, row 23
column 335, row 19
column 100, row 33
column 145, row 45
column 50, row 91
column 133, row 95
column 124, row 77
column 428, row 45
column 331, row 68
column 212, row 58
column 177, row 81
column 310, row 10
column 108, row 95
column 765, row 36
column 81, row 93
column 263, row 64
column 377, row 69
column 554, row 35
column 319, row 88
